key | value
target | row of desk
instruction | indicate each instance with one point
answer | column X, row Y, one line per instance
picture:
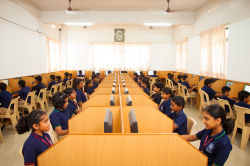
column 155, row 144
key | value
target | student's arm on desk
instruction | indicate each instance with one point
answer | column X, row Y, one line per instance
column 80, row 104
column 189, row 138
column 59, row 131
column 191, row 89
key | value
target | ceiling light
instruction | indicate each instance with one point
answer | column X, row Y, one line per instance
column 158, row 24
column 79, row 23
column 53, row 26
column 182, row 26
column 213, row 8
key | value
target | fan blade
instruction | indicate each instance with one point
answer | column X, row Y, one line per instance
column 180, row 10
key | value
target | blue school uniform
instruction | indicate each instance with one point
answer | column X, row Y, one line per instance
column 157, row 98
column 184, row 83
column 95, row 85
column 89, row 91
column 72, row 106
column 245, row 105
column 180, row 120
column 34, row 146
column 173, row 81
column 139, row 84
column 136, row 79
column 59, row 81
column 60, row 118
column 154, row 76
column 80, row 96
column 165, row 107
column 5, row 98
column 52, row 83
column 80, row 75
column 179, row 81
column 218, row 149
column 209, row 91
column 146, row 90
column 231, row 101
column 38, row 87
column 23, row 93
column 65, row 80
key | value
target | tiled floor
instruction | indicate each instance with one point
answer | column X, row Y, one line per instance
column 9, row 155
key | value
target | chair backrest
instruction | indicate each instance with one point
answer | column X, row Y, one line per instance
column 190, row 124
column 153, row 80
column 15, row 103
column 161, row 101
column 170, row 84
column 240, row 118
column 202, row 98
column 55, row 89
column 59, row 87
column 30, row 95
column 43, row 92
column 86, row 95
column 184, row 91
column 54, row 136
column 21, row 151
column 223, row 103
column 67, row 85
column 166, row 82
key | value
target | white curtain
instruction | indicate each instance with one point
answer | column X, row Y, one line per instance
column 120, row 56
column 213, row 52
column 181, row 50
column 53, row 53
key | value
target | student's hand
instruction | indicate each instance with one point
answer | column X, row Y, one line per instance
column 73, row 115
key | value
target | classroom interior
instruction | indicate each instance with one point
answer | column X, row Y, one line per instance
column 28, row 27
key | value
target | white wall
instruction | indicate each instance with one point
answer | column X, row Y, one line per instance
column 229, row 11
column 75, row 42
column 23, row 52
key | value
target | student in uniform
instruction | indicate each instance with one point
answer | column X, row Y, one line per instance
column 5, row 99
column 179, row 77
column 38, row 140
column 95, row 81
column 157, row 89
column 215, row 143
column 154, row 75
column 88, row 88
column 60, row 114
column 145, row 85
column 166, row 94
column 171, row 77
column 66, row 78
column 58, row 79
column 52, row 81
column 80, row 96
column 72, row 105
column 141, row 74
column 244, row 98
column 139, row 81
column 226, row 92
column 39, row 85
column 185, row 83
column 23, row 93
column 135, row 77
column 80, row 74
column 70, row 76
column 178, row 115
column 211, row 93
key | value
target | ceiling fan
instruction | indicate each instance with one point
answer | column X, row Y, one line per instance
column 169, row 11
column 70, row 10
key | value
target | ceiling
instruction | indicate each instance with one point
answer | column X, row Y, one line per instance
column 119, row 5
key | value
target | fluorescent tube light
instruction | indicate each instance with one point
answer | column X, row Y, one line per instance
column 53, row 26
column 79, row 23
column 213, row 8
column 158, row 24
column 182, row 26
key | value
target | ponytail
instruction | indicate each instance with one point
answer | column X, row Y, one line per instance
column 216, row 111
column 25, row 123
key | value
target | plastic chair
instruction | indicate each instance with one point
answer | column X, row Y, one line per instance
column 67, row 85
column 50, row 94
column 60, row 87
column 30, row 105
column 43, row 101
column 185, row 94
column 166, row 82
column 21, row 151
column 223, row 103
column 1, row 136
column 171, row 85
column 53, row 135
column 15, row 115
column 240, row 123
column 179, row 89
column 190, row 124
column 152, row 80
column 203, row 102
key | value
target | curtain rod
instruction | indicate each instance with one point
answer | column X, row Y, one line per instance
column 23, row 26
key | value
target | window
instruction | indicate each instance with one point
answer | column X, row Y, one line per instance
column 181, row 49
column 54, row 58
column 120, row 56
column 213, row 52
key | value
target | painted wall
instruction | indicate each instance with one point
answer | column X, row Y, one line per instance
column 75, row 42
